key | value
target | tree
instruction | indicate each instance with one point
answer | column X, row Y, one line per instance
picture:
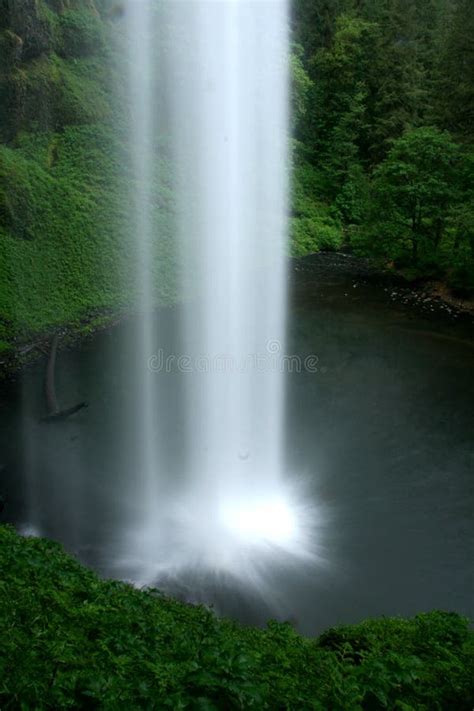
column 398, row 77
column 461, row 247
column 334, row 126
column 300, row 85
column 314, row 23
column 456, row 80
column 416, row 189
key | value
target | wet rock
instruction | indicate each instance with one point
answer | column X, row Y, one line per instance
column 11, row 48
column 26, row 21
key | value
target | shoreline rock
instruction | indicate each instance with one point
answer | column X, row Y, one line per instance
column 359, row 271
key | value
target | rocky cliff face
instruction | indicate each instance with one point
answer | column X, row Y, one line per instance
column 26, row 29
column 36, row 22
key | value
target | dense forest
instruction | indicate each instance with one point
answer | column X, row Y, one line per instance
column 384, row 109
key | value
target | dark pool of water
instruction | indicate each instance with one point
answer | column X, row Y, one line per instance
column 382, row 434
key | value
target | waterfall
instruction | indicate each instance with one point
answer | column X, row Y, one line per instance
column 143, row 490
column 225, row 110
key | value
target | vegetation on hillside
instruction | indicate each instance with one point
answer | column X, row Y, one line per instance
column 67, row 249
column 386, row 131
column 383, row 124
column 70, row 640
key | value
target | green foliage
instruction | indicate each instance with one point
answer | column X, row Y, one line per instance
column 415, row 189
column 384, row 76
column 10, row 48
column 455, row 76
column 66, row 247
column 335, row 125
column 70, row 640
column 315, row 232
column 398, row 81
column 314, row 22
column 82, row 33
column 459, row 245
column 313, row 225
column 18, row 207
column 408, row 663
column 52, row 92
column 336, row 119
column 83, row 97
column 367, row 76
column 300, row 84
column 353, row 200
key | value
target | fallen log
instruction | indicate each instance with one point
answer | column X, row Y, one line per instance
column 55, row 414
column 50, row 389
column 63, row 414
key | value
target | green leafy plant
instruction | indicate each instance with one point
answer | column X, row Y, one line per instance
column 82, row 33
column 71, row 640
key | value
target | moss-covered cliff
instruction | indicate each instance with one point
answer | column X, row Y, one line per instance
column 52, row 69
column 65, row 234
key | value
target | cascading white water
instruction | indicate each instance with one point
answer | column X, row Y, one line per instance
column 230, row 138
column 145, row 488
column 226, row 66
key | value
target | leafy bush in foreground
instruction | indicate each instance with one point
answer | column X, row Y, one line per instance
column 70, row 640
